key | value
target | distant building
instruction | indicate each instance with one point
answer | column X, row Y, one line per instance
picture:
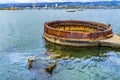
column 56, row 5
column 52, row 6
column 46, row 6
column 33, row 5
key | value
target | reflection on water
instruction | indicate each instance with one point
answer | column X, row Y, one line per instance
column 93, row 63
column 81, row 52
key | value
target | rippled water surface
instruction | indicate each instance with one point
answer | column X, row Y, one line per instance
column 21, row 36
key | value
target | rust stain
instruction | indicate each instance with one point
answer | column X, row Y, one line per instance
column 79, row 30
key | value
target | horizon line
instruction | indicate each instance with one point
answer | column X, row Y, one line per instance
column 59, row 2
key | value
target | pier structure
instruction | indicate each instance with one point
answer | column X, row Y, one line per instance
column 113, row 42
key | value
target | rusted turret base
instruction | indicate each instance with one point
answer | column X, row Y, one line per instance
column 113, row 42
column 76, row 33
column 70, row 42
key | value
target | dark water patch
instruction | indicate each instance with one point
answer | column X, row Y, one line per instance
column 79, row 69
column 79, row 52
column 95, row 67
column 94, row 63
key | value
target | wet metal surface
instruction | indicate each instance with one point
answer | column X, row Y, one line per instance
column 102, row 31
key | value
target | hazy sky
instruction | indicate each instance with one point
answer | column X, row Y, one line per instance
column 24, row 1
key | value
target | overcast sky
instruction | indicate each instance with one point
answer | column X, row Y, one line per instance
column 27, row 1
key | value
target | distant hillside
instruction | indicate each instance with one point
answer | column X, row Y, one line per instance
column 102, row 3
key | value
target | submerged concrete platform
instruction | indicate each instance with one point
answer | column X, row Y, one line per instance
column 113, row 41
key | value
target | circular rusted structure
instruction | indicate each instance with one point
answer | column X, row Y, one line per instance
column 76, row 33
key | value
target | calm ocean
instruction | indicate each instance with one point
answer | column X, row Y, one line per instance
column 21, row 36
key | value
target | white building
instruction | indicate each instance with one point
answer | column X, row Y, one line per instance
column 33, row 5
column 56, row 5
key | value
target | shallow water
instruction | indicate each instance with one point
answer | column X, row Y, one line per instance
column 94, row 63
column 21, row 37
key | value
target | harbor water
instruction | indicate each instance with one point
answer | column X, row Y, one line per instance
column 21, row 37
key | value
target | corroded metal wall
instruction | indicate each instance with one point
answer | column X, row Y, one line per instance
column 104, row 31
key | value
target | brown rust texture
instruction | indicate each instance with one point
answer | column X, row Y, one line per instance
column 101, row 31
